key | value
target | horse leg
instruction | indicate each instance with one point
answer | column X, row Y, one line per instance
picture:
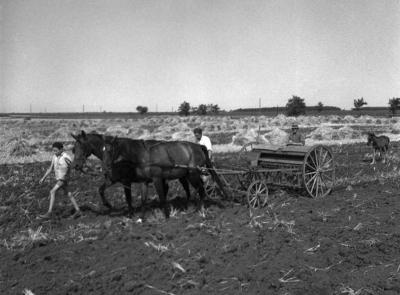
column 373, row 157
column 384, row 151
column 160, row 185
column 196, row 181
column 128, row 197
column 102, row 188
column 185, row 186
column 145, row 189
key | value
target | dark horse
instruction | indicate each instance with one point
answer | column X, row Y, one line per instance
column 122, row 172
column 161, row 162
column 379, row 144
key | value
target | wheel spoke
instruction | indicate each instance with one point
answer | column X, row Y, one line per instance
column 328, row 177
column 311, row 179
column 312, row 160
column 322, row 179
column 255, row 201
column 312, row 188
column 252, row 201
column 313, row 168
column 325, row 154
column 327, row 163
column 316, row 153
column 322, row 155
column 308, row 173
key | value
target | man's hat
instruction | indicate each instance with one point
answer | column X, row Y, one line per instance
column 295, row 126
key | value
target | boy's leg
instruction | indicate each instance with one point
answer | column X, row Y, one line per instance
column 71, row 197
column 53, row 192
column 73, row 201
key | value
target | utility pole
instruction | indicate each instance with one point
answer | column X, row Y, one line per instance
column 83, row 108
column 30, row 108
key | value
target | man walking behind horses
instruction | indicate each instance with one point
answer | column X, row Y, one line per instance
column 203, row 140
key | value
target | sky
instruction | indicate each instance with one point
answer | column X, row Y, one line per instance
column 103, row 55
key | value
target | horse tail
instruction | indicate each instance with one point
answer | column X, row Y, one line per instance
column 213, row 173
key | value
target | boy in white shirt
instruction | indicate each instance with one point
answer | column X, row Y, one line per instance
column 61, row 163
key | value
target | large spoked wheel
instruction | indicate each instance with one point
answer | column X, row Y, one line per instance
column 257, row 194
column 212, row 190
column 319, row 171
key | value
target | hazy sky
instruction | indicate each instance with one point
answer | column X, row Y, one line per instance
column 114, row 55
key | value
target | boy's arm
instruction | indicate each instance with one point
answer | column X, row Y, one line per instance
column 47, row 172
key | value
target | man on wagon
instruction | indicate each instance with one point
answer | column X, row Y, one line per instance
column 295, row 137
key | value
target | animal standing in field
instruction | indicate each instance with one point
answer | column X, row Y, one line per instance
column 162, row 161
column 122, row 172
column 379, row 144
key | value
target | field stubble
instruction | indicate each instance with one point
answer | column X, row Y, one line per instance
column 345, row 243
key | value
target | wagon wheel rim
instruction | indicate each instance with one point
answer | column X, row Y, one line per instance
column 319, row 171
column 257, row 194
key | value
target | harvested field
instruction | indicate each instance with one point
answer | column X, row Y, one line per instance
column 345, row 243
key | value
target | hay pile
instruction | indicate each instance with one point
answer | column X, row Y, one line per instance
column 276, row 137
column 18, row 147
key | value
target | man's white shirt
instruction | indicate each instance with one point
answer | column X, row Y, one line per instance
column 205, row 140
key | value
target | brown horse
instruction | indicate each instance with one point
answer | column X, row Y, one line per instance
column 122, row 172
column 379, row 144
column 161, row 162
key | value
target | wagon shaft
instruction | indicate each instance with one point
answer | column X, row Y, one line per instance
column 308, row 167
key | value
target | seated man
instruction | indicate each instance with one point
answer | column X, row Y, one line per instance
column 296, row 138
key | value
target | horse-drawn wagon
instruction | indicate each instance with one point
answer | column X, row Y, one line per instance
column 307, row 168
column 310, row 168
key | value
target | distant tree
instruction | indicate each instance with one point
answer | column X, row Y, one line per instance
column 201, row 110
column 295, row 106
column 320, row 107
column 394, row 104
column 213, row 109
column 358, row 103
column 142, row 110
column 184, row 108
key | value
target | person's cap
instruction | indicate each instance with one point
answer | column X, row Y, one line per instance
column 295, row 126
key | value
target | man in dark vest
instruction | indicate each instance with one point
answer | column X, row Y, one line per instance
column 296, row 138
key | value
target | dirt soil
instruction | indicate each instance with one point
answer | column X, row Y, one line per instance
column 345, row 243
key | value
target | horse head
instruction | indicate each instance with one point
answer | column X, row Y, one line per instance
column 371, row 137
column 82, row 150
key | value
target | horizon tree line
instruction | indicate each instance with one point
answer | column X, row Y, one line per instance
column 295, row 106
